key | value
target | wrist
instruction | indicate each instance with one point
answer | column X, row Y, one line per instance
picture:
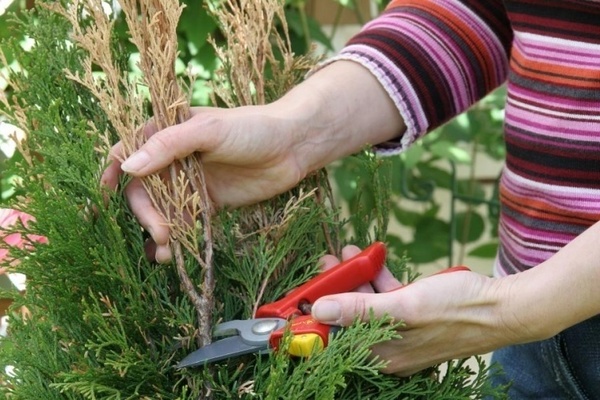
column 522, row 314
column 333, row 119
column 298, row 119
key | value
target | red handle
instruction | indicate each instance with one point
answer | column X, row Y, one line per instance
column 305, row 324
column 342, row 278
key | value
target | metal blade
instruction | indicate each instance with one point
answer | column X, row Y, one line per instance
column 220, row 350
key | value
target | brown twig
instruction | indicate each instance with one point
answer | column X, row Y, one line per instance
column 152, row 26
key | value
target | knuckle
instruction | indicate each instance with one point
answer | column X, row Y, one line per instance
column 149, row 128
column 160, row 142
column 362, row 309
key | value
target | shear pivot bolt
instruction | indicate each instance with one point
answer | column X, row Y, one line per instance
column 264, row 327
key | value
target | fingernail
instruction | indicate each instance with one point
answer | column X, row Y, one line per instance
column 136, row 161
column 163, row 254
column 327, row 311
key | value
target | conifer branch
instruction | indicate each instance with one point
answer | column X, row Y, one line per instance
column 119, row 322
column 152, row 26
column 155, row 35
column 18, row 113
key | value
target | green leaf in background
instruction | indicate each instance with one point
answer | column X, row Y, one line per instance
column 470, row 226
column 395, row 244
column 486, row 250
column 430, row 241
column 459, row 129
column 406, row 217
column 471, row 191
column 412, row 155
column 302, row 26
column 196, row 25
column 450, row 151
column 8, row 28
column 441, row 177
column 346, row 3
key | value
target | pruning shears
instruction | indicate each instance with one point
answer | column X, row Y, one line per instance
column 291, row 314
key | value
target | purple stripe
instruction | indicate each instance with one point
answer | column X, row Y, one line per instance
column 551, row 141
column 557, row 55
column 428, row 36
column 493, row 45
column 553, row 126
column 575, row 203
column 524, row 255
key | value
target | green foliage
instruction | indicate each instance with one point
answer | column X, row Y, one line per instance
column 105, row 323
column 424, row 176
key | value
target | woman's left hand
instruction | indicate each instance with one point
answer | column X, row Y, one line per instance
column 445, row 316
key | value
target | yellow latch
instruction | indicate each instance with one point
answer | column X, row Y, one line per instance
column 304, row 345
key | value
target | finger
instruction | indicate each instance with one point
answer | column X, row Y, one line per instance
column 147, row 216
column 163, row 254
column 343, row 309
column 328, row 261
column 110, row 176
column 385, row 281
column 349, row 252
column 170, row 144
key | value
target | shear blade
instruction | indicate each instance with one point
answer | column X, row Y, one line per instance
column 220, row 350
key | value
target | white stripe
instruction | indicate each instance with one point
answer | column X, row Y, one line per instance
column 527, row 246
column 546, row 111
column 544, row 187
column 555, row 42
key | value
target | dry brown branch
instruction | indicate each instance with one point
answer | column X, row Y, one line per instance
column 153, row 29
column 252, row 42
column 152, row 25
column 253, row 46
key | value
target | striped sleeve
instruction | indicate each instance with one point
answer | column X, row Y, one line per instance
column 435, row 58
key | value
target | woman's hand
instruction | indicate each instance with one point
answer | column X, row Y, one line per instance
column 446, row 316
column 461, row 314
column 253, row 153
column 244, row 161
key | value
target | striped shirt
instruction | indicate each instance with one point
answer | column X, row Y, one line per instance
column 435, row 58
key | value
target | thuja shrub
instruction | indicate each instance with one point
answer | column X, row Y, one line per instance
column 98, row 320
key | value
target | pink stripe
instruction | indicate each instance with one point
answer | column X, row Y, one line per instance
column 447, row 55
column 557, row 55
column 533, row 137
column 534, row 237
column 571, row 203
column 553, row 126
column 524, row 255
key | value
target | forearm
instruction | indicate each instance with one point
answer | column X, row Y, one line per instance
column 558, row 293
column 341, row 109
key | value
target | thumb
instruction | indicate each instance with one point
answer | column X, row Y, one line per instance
column 159, row 151
column 173, row 143
column 343, row 309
